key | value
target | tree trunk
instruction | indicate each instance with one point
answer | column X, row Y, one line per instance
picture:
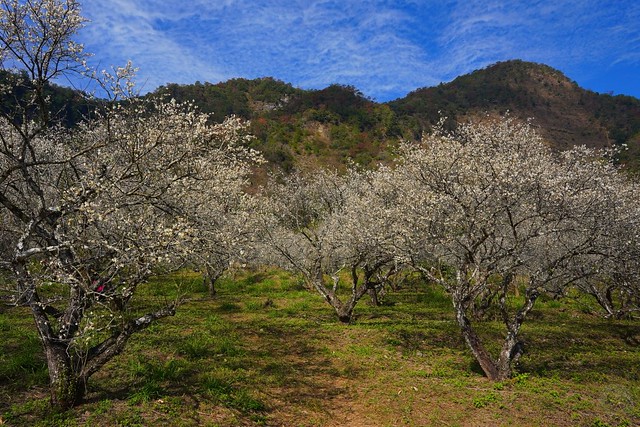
column 209, row 285
column 512, row 347
column 605, row 301
column 344, row 315
column 373, row 295
column 509, row 354
column 66, row 388
column 210, row 278
column 68, row 377
column 344, row 311
column 488, row 365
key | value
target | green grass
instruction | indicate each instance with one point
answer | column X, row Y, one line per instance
column 266, row 351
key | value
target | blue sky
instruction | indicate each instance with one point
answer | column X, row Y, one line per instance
column 385, row 48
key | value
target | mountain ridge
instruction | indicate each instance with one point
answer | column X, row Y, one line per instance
column 566, row 113
column 342, row 118
column 338, row 124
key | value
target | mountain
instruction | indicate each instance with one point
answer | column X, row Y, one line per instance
column 564, row 113
column 294, row 127
column 68, row 106
column 241, row 97
column 338, row 124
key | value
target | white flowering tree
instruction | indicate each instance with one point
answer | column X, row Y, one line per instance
column 492, row 215
column 89, row 213
column 227, row 237
column 610, row 270
column 226, row 221
column 324, row 227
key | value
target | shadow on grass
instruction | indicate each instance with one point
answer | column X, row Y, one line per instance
column 292, row 362
column 584, row 349
column 246, row 362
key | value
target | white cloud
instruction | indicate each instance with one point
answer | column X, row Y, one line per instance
column 311, row 44
column 385, row 48
column 574, row 35
column 124, row 30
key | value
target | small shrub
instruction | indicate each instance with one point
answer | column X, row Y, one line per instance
column 227, row 307
column 220, row 386
column 150, row 390
column 486, row 400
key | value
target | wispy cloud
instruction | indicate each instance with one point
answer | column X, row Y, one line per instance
column 579, row 36
column 385, row 48
column 123, row 30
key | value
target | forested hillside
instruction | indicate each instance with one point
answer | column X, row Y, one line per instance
column 337, row 124
column 339, row 121
column 565, row 114
column 294, row 126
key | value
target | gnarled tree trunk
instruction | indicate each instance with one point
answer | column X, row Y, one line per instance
column 343, row 309
column 67, row 388
column 488, row 365
column 70, row 369
column 501, row 368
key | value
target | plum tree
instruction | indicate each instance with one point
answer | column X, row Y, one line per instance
column 89, row 213
column 490, row 212
column 323, row 226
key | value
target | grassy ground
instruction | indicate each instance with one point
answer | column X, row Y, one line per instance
column 268, row 352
